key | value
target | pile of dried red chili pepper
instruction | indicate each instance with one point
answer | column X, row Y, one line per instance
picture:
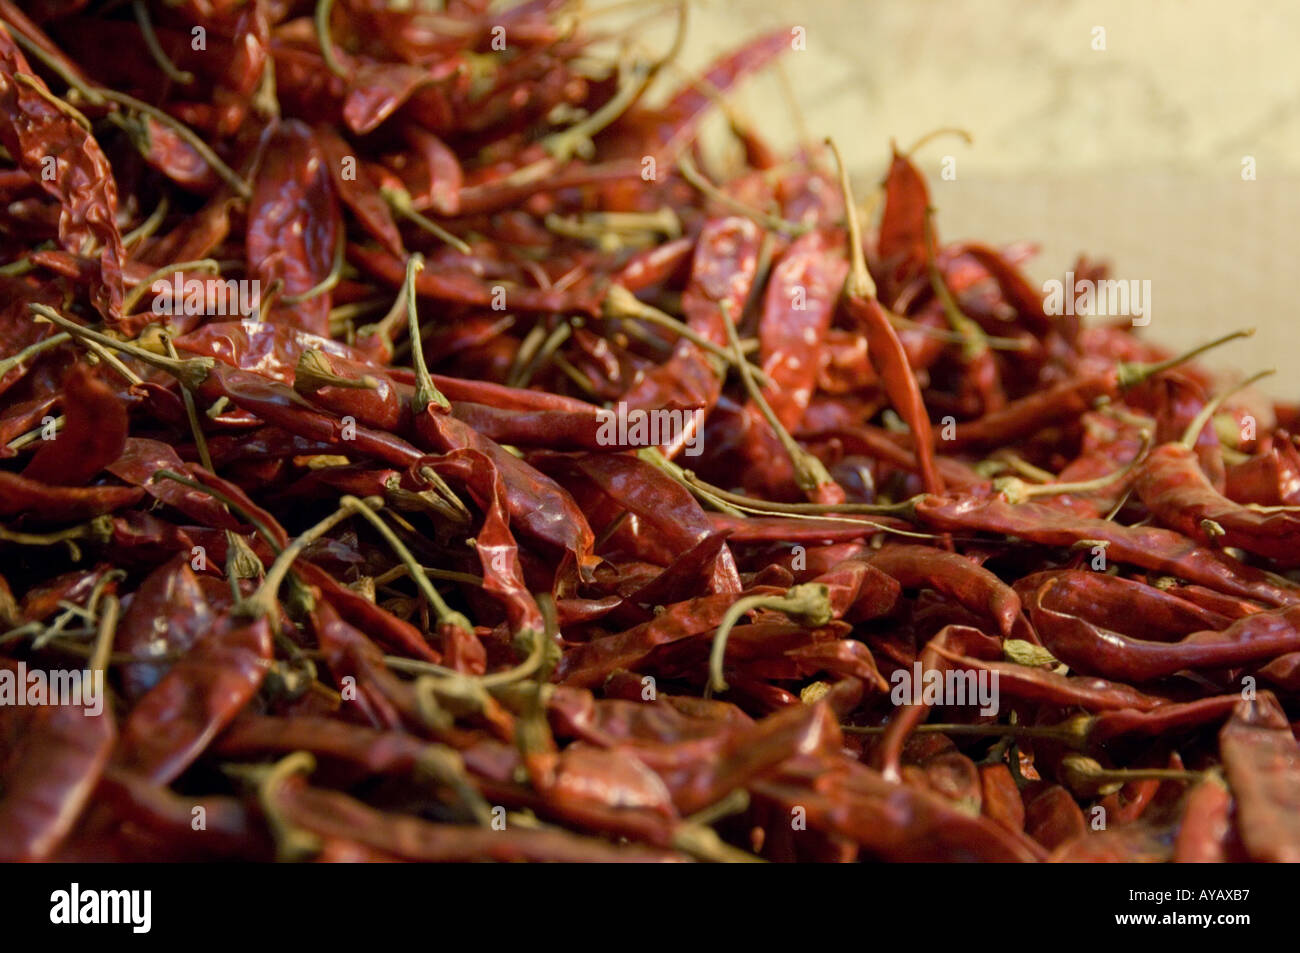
column 354, row 599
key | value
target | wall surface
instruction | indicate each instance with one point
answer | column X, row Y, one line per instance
column 1133, row 153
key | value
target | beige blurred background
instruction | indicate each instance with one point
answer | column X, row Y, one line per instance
column 1133, row 153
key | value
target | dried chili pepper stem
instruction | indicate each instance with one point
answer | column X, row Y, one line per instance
column 621, row 303
column 737, row 504
column 103, row 650
column 148, row 226
column 33, row 350
column 36, row 86
column 267, row 536
column 809, row 602
column 425, row 391
column 1129, row 374
column 191, row 372
column 264, row 601
column 313, row 371
column 191, row 411
column 321, row 20
column 1017, row 490
column 1197, row 424
column 962, row 134
column 291, row 843
column 686, row 166
column 445, row 614
column 203, row 266
column 112, row 360
column 1087, row 775
column 444, row 765
column 173, row 72
column 330, row 281
column 974, row 341
column 809, row 473
column 577, row 139
column 703, row 842
column 400, row 202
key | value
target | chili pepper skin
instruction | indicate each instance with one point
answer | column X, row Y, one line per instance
column 167, row 614
column 872, row 462
column 464, row 288
column 891, row 821
column 171, row 725
column 722, row 273
column 83, row 183
column 357, row 190
column 230, row 830
column 331, row 813
column 496, row 547
column 1034, row 684
column 1173, row 486
column 1262, row 759
column 62, row 503
column 590, row 664
column 1155, row 549
column 1206, row 826
column 91, row 439
column 293, row 225
column 970, row 584
column 902, row 245
column 1001, row 801
column 50, row 773
column 1089, row 648
column 1131, row 607
column 891, row 363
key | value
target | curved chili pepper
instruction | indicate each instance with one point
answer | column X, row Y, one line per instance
column 969, row 583
column 1057, row 611
column 722, row 272
column 1173, row 486
column 50, row 774
column 1155, row 549
column 201, row 693
column 83, row 183
column 1261, row 756
column 294, row 226
column 92, row 437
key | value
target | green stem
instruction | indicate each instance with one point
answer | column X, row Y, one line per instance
column 425, row 391
column 1130, row 374
column 689, row 172
column 322, row 22
column 191, row 411
column 263, row 602
column 809, row 602
column 226, row 501
column 1211, row 407
column 330, row 281
column 859, row 283
column 156, row 52
column 809, row 472
column 148, row 226
column 400, row 202
column 203, row 266
column 445, row 614
column 33, row 350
